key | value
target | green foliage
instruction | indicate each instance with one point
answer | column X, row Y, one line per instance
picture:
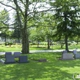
column 4, row 25
column 8, row 43
column 16, row 33
column 4, row 17
column 67, row 19
column 36, row 34
column 66, row 16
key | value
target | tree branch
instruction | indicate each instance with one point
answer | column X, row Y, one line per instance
column 50, row 9
column 22, row 2
column 7, row 5
column 17, row 6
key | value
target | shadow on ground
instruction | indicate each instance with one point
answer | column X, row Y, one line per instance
column 53, row 69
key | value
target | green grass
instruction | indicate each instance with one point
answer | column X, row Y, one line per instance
column 53, row 69
column 34, row 47
column 4, row 48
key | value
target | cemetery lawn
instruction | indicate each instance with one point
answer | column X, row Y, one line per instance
column 52, row 69
column 17, row 47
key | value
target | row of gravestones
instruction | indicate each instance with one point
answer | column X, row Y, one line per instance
column 73, row 55
column 10, row 58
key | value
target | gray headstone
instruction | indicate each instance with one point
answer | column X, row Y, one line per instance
column 74, row 51
column 23, row 59
column 17, row 54
column 9, row 59
column 8, row 53
column 64, row 51
column 67, row 56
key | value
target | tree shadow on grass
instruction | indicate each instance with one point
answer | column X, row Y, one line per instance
column 38, row 71
column 53, row 69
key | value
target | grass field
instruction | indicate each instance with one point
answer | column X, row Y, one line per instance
column 53, row 69
column 4, row 48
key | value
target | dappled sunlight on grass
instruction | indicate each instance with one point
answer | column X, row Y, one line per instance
column 52, row 69
column 18, row 47
column 8, row 48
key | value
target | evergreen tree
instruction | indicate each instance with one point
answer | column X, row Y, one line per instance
column 67, row 18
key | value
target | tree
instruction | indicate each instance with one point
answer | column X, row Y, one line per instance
column 49, row 28
column 66, row 16
column 4, row 23
column 47, row 22
column 24, row 15
column 16, row 34
column 37, row 34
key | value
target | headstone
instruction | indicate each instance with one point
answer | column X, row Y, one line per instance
column 23, row 59
column 67, row 56
column 17, row 54
column 8, row 53
column 9, row 59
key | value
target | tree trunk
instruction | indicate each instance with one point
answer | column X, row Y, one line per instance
column 23, row 26
column 66, row 42
column 66, row 35
column 48, row 43
column 25, row 42
column 62, row 45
